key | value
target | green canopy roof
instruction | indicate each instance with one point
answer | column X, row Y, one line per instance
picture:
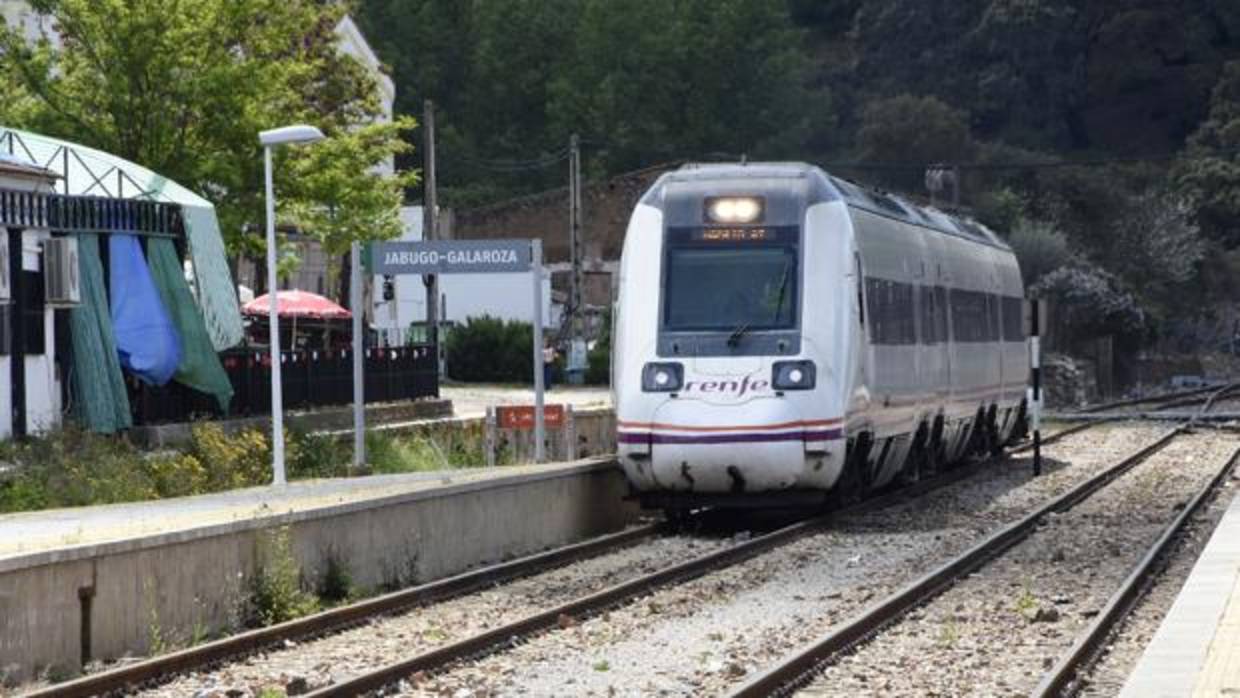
column 90, row 172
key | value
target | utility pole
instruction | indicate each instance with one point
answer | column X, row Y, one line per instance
column 574, row 224
column 430, row 218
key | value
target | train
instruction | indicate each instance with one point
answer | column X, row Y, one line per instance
column 783, row 337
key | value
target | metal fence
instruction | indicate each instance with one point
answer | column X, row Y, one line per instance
column 309, row 379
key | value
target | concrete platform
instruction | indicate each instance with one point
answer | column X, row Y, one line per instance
column 103, row 582
column 1196, row 651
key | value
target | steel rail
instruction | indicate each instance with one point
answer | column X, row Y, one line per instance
column 334, row 619
column 795, row 669
column 498, row 638
column 1165, row 397
column 1059, row 680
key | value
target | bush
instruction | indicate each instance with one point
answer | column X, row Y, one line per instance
column 487, row 349
column 598, row 367
column 1040, row 248
column 276, row 593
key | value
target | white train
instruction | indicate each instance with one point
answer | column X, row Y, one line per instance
column 781, row 333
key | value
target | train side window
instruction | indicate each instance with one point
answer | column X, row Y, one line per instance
column 1013, row 319
column 860, row 294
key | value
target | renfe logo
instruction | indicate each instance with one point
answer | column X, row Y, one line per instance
column 733, row 386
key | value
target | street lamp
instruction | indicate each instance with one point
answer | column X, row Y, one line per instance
column 287, row 135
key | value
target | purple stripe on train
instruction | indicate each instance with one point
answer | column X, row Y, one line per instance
column 628, row 437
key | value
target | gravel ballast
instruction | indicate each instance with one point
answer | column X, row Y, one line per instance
column 1106, row 677
column 331, row 658
column 999, row 630
column 705, row 636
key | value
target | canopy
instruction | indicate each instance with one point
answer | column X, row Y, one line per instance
column 86, row 171
column 298, row 304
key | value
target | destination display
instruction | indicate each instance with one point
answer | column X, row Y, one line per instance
column 450, row 257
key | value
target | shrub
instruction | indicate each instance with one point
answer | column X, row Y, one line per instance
column 276, row 593
column 598, row 366
column 1040, row 248
column 487, row 349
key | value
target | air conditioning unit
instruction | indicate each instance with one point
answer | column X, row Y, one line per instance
column 6, row 286
column 60, row 272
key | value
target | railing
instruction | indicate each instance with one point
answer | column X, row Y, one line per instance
column 309, row 379
column 89, row 214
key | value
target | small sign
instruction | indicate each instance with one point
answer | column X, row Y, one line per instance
column 450, row 257
column 522, row 416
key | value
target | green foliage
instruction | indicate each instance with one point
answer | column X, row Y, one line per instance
column 75, row 467
column 1040, row 248
column 337, row 582
column 905, row 128
column 1211, row 179
column 487, row 349
column 598, row 367
column 183, row 87
column 276, row 594
column 1090, row 302
column 642, row 82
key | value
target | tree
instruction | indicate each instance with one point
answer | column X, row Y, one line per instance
column 184, row 86
column 1210, row 176
column 1040, row 248
column 909, row 129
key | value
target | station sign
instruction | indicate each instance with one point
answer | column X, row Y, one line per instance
column 450, row 257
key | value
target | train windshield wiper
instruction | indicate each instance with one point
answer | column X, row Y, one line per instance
column 735, row 337
column 783, row 288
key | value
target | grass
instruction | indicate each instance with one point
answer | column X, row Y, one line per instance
column 73, row 467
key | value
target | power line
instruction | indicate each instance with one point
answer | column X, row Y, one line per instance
column 515, row 165
column 1043, row 165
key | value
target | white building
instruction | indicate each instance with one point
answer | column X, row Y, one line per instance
column 504, row 296
column 42, row 402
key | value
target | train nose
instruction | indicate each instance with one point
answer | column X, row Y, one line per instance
column 708, row 448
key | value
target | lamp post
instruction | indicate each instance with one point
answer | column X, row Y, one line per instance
column 287, row 135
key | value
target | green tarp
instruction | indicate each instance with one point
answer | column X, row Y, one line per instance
column 200, row 366
column 101, row 401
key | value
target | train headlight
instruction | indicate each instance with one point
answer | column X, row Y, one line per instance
column 734, row 209
column 662, row 377
column 793, row 375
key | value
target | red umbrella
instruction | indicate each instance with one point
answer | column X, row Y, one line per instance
column 297, row 304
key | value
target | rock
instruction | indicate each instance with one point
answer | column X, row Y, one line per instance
column 735, row 670
column 1046, row 614
column 1058, row 555
column 463, row 693
column 1061, row 600
column 565, row 621
column 289, row 644
column 297, row 686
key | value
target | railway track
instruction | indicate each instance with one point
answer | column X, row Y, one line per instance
column 129, row 676
column 872, row 626
column 196, row 659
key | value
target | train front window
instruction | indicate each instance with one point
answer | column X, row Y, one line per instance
column 730, row 289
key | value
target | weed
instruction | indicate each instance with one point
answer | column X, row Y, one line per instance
column 1026, row 603
column 602, row 665
column 337, row 583
column 270, row 692
column 276, row 593
column 949, row 634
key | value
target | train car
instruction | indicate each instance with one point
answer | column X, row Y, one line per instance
column 781, row 334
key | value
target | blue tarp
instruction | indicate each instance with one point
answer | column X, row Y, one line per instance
column 145, row 336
